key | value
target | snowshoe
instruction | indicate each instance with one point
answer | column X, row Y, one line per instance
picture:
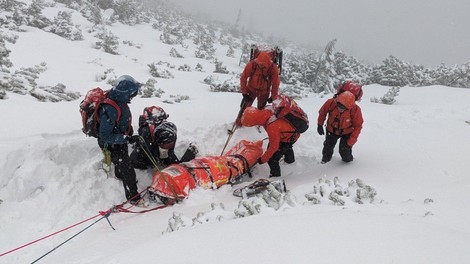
column 259, row 186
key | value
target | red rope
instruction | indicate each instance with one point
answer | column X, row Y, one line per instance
column 117, row 208
column 55, row 233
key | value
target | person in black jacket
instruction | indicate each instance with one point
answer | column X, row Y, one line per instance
column 156, row 146
column 115, row 133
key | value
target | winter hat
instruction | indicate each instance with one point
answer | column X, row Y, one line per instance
column 252, row 116
column 264, row 59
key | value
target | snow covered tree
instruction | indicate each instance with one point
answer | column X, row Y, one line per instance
column 34, row 15
column 12, row 16
column 5, row 62
column 392, row 72
column 64, row 27
column 324, row 74
column 109, row 42
column 349, row 68
column 127, row 11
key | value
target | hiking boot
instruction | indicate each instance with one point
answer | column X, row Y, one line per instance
column 135, row 199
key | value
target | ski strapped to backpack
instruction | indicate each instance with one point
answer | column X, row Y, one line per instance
column 285, row 107
column 89, row 110
column 276, row 54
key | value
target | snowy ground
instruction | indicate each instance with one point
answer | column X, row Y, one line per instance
column 413, row 153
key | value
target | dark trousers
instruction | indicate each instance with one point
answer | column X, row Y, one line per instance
column 345, row 151
column 123, row 169
column 285, row 150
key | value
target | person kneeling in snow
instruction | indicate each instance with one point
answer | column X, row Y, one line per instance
column 282, row 136
column 344, row 122
column 158, row 140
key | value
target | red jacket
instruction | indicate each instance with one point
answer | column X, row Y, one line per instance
column 278, row 131
column 257, row 81
column 348, row 122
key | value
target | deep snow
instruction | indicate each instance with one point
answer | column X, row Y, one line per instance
column 410, row 152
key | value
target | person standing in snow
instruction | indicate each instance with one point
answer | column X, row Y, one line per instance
column 260, row 80
column 115, row 134
column 343, row 121
column 282, row 136
column 159, row 140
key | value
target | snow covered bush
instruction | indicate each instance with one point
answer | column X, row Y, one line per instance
column 175, row 54
column 219, row 68
column 54, row 94
column 64, row 27
column 109, row 42
column 157, row 72
column 327, row 191
column 388, row 98
column 230, row 85
column 149, row 90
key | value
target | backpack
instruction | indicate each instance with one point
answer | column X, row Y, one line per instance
column 285, row 107
column 89, row 110
column 276, row 54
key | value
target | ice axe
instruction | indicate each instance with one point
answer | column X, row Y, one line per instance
column 243, row 106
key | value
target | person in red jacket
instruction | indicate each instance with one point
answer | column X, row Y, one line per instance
column 260, row 80
column 343, row 121
column 281, row 133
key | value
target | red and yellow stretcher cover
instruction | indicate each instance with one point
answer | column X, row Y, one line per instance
column 176, row 181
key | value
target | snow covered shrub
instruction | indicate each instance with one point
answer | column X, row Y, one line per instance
column 149, row 90
column 185, row 68
column 109, row 42
column 219, row 68
column 230, row 85
column 106, row 76
column 175, row 54
column 159, row 73
column 64, row 27
column 34, row 15
column 54, row 94
column 199, row 68
column 388, row 98
column 230, row 52
column 333, row 192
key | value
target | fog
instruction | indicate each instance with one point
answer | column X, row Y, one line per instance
column 427, row 32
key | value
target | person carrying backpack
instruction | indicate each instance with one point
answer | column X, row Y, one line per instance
column 115, row 132
column 259, row 80
column 343, row 121
column 282, row 136
column 158, row 140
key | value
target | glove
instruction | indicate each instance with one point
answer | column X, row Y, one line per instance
column 247, row 98
column 133, row 139
column 320, row 130
column 270, row 100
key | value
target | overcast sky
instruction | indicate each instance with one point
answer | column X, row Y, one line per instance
column 425, row 32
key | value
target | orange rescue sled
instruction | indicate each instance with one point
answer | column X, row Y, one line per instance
column 175, row 181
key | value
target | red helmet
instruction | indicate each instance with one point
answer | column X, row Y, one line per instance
column 347, row 99
column 354, row 88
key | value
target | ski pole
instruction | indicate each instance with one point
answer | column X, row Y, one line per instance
column 235, row 124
